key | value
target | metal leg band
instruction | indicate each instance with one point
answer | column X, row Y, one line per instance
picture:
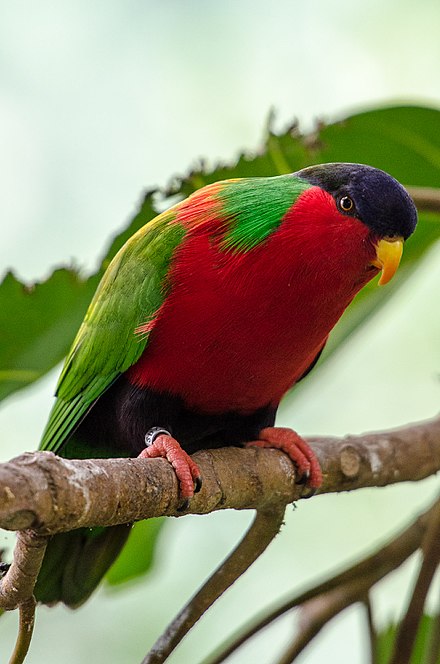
column 153, row 433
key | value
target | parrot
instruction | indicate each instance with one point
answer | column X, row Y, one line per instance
column 203, row 321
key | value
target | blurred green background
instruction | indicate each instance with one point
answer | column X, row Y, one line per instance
column 99, row 101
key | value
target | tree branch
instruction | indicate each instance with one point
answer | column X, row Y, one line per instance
column 25, row 630
column 42, row 494
column 425, row 198
column 372, row 634
column 18, row 583
column 330, row 597
column 409, row 626
column 50, row 494
column 17, row 587
column 260, row 534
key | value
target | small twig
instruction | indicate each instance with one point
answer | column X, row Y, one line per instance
column 17, row 586
column 426, row 198
column 264, row 528
column 407, row 633
column 319, row 611
column 25, row 630
column 372, row 634
column 316, row 613
column 373, row 568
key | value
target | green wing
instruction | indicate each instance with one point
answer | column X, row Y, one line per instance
column 130, row 293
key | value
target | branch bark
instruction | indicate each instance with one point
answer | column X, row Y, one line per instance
column 49, row 494
column 42, row 494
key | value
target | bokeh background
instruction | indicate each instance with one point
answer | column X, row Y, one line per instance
column 99, row 101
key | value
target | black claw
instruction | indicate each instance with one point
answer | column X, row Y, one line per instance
column 197, row 484
column 303, row 478
column 183, row 505
column 308, row 493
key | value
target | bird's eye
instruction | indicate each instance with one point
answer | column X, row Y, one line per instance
column 346, row 204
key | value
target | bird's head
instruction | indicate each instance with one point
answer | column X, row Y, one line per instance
column 374, row 198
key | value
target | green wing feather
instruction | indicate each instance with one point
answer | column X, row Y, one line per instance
column 130, row 293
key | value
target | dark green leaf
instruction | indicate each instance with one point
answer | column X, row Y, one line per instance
column 37, row 325
column 404, row 141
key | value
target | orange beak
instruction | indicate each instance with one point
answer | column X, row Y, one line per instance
column 388, row 255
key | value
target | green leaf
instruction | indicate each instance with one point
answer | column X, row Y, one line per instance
column 37, row 325
column 404, row 141
column 280, row 154
column 38, row 322
column 137, row 556
column 386, row 638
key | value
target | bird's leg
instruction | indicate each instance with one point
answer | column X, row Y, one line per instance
column 302, row 455
column 160, row 443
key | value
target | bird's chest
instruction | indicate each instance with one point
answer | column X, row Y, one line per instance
column 236, row 348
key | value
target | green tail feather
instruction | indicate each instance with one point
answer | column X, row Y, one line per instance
column 75, row 563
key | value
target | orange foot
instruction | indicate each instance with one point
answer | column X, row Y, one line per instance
column 304, row 458
column 160, row 443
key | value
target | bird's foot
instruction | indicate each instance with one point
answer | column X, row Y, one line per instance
column 296, row 448
column 160, row 443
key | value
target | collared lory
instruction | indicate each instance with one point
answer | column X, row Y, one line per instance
column 203, row 321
